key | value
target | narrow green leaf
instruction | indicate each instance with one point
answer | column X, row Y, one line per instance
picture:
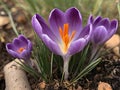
column 86, row 70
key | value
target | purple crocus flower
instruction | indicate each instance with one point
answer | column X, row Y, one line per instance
column 20, row 48
column 103, row 29
column 65, row 36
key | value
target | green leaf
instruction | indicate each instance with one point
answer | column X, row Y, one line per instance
column 86, row 70
column 29, row 69
column 43, row 58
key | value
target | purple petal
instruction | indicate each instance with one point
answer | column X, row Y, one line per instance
column 99, row 36
column 86, row 32
column 18, row 43
column 90, row 20
column 13, row 53
column 56, row 20
column 23, row 39
column 10, row 46
column 29, row 48
column 25, row 55
column 53, row 46
column 27, row 42
column 105, row 22
column 41, row 27
column 74, row 19
column 113, row 28
column 97, row 20
column 77, row 46
column 114, row 24
column 36, row 25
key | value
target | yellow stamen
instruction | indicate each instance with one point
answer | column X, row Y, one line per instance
column 66, row 38
column 20, row 50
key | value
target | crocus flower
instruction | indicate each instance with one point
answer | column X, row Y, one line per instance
column 103, row 29
column 20, row 48
column 65, row 36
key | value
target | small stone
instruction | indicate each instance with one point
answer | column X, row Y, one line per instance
column 13, row 10
column 4, row 20
column 42, row 85
column 116, row 51
column 104, row 86
column 2, row 13
column 113, row 43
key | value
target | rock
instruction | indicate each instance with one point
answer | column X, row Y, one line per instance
column 104, row 86
column 2, row 12
column 13, row 9
column 15, row 77
column 116, row 50
column 113, row 43
column 4, row 20
column 42, row 85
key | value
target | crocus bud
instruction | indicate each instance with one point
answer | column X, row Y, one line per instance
column 103, row 29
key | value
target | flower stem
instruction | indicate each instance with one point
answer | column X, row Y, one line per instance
column 65, row 68
column 95, row 52
column 29, row 62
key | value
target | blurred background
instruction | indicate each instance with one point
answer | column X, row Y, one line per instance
column 19, row 12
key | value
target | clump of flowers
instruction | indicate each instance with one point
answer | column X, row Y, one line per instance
column 64, row 48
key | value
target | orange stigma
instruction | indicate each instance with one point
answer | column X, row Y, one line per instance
column 20, row 50
column 66, row 38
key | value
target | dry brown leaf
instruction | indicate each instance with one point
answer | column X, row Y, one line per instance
column 104, row 86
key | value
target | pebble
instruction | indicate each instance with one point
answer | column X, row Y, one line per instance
column 104, row 86
column 114, row 44
column 42, row 85
column 13, row 10
column 4, row 20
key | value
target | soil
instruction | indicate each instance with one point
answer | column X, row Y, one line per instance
column 107, row 71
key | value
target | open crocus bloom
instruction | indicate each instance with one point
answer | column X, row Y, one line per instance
column 65, row 36
column 20, row 48
column 103, row 29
